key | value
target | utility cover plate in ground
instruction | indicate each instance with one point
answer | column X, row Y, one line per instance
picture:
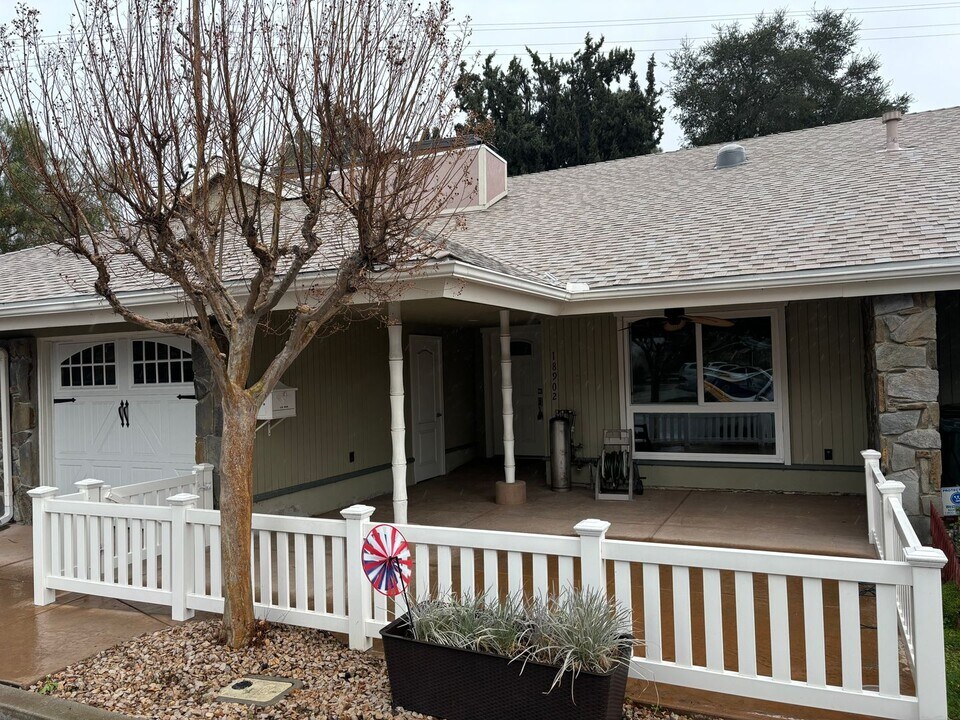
column 258, row 690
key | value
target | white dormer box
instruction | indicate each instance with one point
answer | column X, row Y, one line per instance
column 280, row 404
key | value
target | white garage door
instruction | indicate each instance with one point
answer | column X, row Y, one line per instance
column 124, row 410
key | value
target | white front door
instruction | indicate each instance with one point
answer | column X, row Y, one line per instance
column 123, row 410
column 527, row 374
column 426, row 406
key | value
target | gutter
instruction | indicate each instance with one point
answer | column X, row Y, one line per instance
column 574, row 299
column 5, row 432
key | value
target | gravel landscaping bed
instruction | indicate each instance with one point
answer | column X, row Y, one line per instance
column 176, row 673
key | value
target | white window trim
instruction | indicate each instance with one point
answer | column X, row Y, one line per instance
column 779, row 407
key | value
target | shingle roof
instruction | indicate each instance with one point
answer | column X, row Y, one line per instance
column 817, row 198
column 827, row 197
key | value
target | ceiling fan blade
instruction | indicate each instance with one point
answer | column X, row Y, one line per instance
column 672, row 325
column 707, row 320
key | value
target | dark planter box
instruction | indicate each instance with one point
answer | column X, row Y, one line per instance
column 459, row 684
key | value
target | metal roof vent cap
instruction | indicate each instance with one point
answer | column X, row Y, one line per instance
column 730, row 156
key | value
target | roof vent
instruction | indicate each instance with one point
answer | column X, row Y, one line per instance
column 891, row 121
column 730, row 156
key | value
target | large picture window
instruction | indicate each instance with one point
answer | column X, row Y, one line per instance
column 706, row 388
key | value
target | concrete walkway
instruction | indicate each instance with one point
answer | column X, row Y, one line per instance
column 41, row 640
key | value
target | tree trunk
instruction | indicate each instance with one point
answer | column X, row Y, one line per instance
column 236, row 508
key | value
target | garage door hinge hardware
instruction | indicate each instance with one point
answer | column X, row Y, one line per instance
column 186, row 397
column 57, row 401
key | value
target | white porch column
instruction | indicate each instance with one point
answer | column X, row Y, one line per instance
column 509, row 491
column 397, row 425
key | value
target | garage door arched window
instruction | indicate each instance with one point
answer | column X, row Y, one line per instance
column 157, row 363
column 93, row 366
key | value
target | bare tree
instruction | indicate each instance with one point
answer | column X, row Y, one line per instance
column 243, row 152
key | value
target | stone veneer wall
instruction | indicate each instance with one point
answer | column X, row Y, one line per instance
column 209, row 415
column 25, row 444
column 902, row 369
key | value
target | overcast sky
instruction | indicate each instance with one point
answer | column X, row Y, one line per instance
column 918, row 42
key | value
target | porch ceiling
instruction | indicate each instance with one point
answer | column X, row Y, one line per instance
column 459, row 313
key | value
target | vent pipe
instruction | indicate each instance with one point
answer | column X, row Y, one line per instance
column 891, row 121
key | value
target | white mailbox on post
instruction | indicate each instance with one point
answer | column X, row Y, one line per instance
column 280, row 404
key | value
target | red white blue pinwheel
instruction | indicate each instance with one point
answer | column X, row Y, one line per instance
column 386, row 560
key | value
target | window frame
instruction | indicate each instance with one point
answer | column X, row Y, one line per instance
column 778, row 407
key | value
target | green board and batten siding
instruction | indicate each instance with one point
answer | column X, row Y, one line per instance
column 825, row 362
column 827, row 408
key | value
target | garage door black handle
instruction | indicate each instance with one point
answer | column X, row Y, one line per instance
column 124, row 412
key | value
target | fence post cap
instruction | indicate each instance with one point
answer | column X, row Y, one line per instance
column 88, row 483
column 591, row 527
column 200, row 467
column 870, row 454
column 925, row 557
column 43, row 491
column 357, row 512
column 891, row 487
column 181, row 499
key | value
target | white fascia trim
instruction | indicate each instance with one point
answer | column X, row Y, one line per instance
column 458, row 280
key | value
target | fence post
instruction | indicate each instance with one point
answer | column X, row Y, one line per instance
column 889, row 490
column 930, row 673
column 91, row 490
column 592, row 567
column 42, row 595
column 871, row 461
column 359, row 606
column 204, row 473
column 181, row 550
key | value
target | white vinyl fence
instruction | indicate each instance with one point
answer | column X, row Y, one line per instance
column 810, row 630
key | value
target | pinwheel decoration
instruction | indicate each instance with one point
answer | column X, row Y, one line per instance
column 386, row 560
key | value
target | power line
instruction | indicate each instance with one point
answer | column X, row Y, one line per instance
column 708, row 37
column 677, row 19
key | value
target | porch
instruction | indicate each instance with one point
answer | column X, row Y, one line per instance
column 782, row 522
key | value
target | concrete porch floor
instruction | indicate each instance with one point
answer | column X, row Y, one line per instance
column 816, row 524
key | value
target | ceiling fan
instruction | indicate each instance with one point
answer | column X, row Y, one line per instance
column 676, row 319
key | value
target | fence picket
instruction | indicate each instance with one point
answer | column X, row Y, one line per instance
column 746, row 624
column 319, row 574
column 93, row 546
column 166, row 555
column 515, row 574
column 851, row 663
column 300, row 569
column 338, row 560
column 56, row 562
column 564, row 572
column 216, row 576
column 888, row 647
column 283, row 570
column 713, row 618
column 199, row 559
column 107, row 527
column 422, row 568
column 540, row 579
column 69, row 539
column 490, row 574
column 779, row 626
column 683, row 636
column 136, row 552
column 123, row 552
column 467, row 572
column 151, row 542
column 266, row 570
column 444, row 571
column 651, row 612
column 813, row 631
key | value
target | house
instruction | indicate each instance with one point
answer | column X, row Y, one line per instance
column 754, row 317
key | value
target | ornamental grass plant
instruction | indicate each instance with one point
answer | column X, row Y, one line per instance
column 576, row 630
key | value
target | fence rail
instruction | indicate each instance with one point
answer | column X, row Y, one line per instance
column 811, row 630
